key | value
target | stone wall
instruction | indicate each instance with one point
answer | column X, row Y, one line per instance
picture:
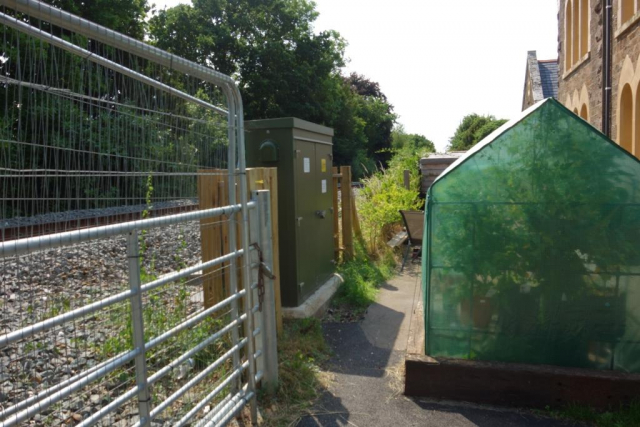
column 583, row 82
column 625, row 44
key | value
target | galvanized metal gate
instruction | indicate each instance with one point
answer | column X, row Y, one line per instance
column 103, row 318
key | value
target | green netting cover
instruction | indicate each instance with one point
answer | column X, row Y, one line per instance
column 532, row 248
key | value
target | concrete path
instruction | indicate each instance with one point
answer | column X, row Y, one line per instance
column 365, row 390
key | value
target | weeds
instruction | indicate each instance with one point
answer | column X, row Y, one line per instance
column 624, row 416
column 362, row 278
column 301, row 350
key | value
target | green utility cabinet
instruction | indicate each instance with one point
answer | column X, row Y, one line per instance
column 302, row 152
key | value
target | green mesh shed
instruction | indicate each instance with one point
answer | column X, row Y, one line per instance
column 532, row 248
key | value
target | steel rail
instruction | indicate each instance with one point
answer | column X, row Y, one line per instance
column 243, row 400
column 59, row 392
column 186, row 355
column 60, row 319
column 193, row 320
column 66, row 391
column 195, row 380
column 50, row 241
column 211, row 395
column 48, row 392
column 216, row 411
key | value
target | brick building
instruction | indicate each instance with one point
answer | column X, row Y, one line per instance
column 599, row 48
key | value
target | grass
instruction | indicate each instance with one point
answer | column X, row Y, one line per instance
column 362, row 279
column 625, row 416
column 301, row 351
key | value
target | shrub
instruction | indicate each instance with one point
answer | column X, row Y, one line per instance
column 384, row 195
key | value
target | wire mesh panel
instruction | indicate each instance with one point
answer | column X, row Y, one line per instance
column 104, row 320
column 533, row 249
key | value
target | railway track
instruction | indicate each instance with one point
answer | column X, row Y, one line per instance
column 13, row 230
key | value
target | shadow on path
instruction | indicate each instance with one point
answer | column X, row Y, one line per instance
column 361, row 393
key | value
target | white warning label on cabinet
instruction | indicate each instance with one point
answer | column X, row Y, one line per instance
column 307, row 165
column 324, row 185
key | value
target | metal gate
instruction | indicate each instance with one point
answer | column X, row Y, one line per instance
column 103, row 316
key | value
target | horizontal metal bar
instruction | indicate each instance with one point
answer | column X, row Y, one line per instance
column 48, row 392
column 90, row 56
column 106, row 410
column 61, row 394
column 94, row 31
column 58, row 320
column 209, row 397
column 31, row 330
column 195, row 380
column 31, row 244
column 192, row 321
column 172, row 277
column 183, row 358
column 231, row 409
column 218, row 409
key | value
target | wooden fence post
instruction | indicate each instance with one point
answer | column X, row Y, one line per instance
column 213, row 192
column 356, row 221
column 267, row 179
column 336, row 214
column 212, row 243
column 347, row 216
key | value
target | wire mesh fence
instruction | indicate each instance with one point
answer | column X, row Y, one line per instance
column 103, row 319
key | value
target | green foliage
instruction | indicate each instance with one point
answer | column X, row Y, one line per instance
column 384, row 195
column 301, row 350
column 414, row 142
column 472, row 130
column 362, row 278
column 124, row 16
column 624, row 416
column 284, row 69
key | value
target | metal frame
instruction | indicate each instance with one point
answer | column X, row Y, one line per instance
column 240, row 396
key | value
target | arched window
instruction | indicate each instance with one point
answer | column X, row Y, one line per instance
column 626, row 119
column 584, row 113
column 584, row 27
column 568, row 33
column 627, row 10
column 576, row 33
column 575, row 111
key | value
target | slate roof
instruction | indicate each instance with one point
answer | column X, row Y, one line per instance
column 549, row 78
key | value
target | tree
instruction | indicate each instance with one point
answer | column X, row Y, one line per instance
column 124, row 16
column 283, row 69
column 472, row 130
column 413, row 141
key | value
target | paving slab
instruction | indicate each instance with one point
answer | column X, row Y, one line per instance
column 367, row 377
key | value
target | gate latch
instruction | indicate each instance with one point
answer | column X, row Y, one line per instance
column 321, row 214
column 263, row 271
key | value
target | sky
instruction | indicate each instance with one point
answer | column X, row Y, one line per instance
column 438, row 61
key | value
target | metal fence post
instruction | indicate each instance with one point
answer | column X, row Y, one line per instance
column 269, row 332
column 137, row 320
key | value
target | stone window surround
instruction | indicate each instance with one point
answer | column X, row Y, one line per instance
column 623, row 27
column 577, row 65
column 569, row 37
